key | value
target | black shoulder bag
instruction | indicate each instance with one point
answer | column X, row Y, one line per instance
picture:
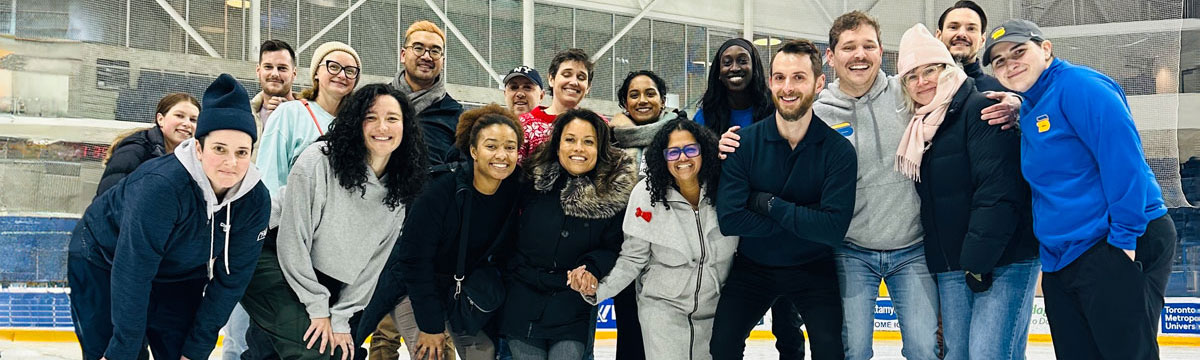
column 475, row 299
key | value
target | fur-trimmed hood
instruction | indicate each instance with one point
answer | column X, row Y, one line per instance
column 585, row 197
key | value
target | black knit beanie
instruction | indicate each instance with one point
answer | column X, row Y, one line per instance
column 226, row 106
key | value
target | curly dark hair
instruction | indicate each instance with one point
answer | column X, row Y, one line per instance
column 405, row 172
column 471, row 122
column 659, row 178
column 608, row 154
column 715, row 102
column 659, row 84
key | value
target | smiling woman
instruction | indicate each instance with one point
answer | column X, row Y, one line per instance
column 312, row 280
column 175, row 119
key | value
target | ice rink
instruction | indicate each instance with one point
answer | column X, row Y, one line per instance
column 605, row 349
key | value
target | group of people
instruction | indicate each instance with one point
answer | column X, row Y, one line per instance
column 492, row 233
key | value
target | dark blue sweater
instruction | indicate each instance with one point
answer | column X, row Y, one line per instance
column 983, row 81
column 813, row 186
column 154, row 226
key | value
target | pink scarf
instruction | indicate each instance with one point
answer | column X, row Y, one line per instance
column 925, row 123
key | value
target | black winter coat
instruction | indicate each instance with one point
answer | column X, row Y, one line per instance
column 130, row 153
column 975, row 206
column 565, row 222
column 430, row 244
column 438, row 124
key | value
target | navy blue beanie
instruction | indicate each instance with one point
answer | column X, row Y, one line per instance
column 226, row 106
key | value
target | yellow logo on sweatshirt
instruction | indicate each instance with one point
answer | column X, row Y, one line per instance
column 1043, row 123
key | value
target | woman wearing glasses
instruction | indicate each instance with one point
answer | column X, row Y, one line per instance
column 295, row 124
column 975, row 207
column 292, row 127
column 673, row 246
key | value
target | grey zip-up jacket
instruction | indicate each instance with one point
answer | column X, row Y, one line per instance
column 342, row 233
column 887, row 210
column 680, row 260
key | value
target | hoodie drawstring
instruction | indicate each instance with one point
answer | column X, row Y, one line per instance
column 225, row 226
column 212, row 240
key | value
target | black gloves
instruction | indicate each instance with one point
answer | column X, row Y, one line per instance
column 983, row 283
column 760, row 202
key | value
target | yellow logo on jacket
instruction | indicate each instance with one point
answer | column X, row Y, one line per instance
column 1043, row 123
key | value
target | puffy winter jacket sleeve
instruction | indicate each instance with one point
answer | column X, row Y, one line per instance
column 124, row 160
column 424, row 230
column 995, row 158
column 249, row 218
column 635, row 254
column 149, row 218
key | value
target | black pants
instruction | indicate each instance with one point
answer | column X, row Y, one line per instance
column 1104, row 306
column 170, row 314
column 629, row 329
column 751, row 289
column 785, row 325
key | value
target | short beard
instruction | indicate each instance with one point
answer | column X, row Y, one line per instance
column 282, row 93
column 964, row 59
column 793, row 116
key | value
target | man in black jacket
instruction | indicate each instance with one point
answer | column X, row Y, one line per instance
column 789, row 193
column 422, row 80
column 961, row 28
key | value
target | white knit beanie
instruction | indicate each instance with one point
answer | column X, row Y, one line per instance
column 324, row 50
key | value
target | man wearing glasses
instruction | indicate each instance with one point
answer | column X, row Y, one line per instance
column 422, row 80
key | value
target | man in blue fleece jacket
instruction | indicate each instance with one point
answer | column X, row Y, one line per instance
column 163, row 256
column 1106, row 241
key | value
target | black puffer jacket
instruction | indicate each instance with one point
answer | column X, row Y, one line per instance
column 130, row 153
column 975, row 206
column 565, row 222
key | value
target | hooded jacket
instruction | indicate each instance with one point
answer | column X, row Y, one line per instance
column 163, row 224
column 680, row 259
column 887, row 213
column 1082, row 156
column 131, row 152
column 565, row 221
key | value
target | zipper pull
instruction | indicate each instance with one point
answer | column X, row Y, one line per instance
column 457, row 285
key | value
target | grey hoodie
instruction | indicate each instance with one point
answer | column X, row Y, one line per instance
column 186, row 153
column 887, row 210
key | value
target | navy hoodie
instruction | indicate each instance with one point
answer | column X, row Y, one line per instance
column 163, row 224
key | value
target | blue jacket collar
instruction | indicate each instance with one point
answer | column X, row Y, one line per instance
column 1044, row 82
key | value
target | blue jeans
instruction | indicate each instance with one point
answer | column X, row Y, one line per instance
column 913, row 292
column 235, row 334
column 539, row 349
column 993, row 324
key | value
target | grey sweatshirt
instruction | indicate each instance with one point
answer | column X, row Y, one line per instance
column 887, row 210
column 341, row 233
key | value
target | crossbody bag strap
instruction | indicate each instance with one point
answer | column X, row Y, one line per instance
column 464, row 232
column 314, row 117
